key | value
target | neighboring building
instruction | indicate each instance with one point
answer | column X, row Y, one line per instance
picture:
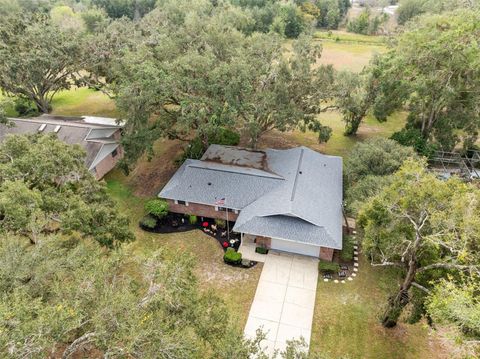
column 99, row 137
column 290, row 200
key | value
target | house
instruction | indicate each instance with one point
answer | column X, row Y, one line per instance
column 288, row 200
column 98, row 136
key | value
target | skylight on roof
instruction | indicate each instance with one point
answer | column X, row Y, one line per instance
column 42, row 127
column 57, row 128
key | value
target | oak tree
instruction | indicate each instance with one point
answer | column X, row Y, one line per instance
column 420, row 224
column 38, row 58
column 434, row 71
column 45, row 187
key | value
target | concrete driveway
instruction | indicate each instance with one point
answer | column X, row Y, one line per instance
column 284, row 300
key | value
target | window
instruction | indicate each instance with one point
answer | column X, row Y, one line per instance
column 183, row 203
column 114, row 153
column 223, row 209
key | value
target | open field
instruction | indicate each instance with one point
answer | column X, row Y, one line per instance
column 78, row 102
column 348, row 56
column 347, row 51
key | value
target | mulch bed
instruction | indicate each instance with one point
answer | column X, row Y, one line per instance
column 175, row 222
column 346, row 268
column 171, row 223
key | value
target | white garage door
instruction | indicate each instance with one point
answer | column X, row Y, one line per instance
column 295, row 247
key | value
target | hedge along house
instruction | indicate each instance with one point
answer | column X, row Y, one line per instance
column 98, row 136
column 289, row 200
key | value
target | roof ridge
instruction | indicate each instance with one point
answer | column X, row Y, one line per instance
column 255, row 171
column 296, row 175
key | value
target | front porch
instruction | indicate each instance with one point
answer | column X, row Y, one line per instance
column 247, row 248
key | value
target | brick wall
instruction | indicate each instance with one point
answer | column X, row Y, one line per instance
column 326, row 254
column 200, row 210
column 263, row 242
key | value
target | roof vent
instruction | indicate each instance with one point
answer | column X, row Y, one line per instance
column 300, row 172
column 57, row 128
column 209, row 183
column 42, row 127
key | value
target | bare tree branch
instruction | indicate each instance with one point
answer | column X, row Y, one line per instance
column 78, row 343
column 449, row 266
column 421, row 287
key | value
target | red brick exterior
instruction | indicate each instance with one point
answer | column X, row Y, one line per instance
column 326, row 254
column 200, row 210
column 263, row 242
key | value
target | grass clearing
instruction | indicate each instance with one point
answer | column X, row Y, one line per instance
column 346, row 320
column 338, row 144
column 78, row 102
column 83, row 101
column 348, row 56
column 348, row 51
column 344, row 36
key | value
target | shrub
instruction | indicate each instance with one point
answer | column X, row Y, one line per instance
column 149, row 221
column 328, row 267
column 232, row 257
column 261, row 250
column 25, row 107
column 221, row 223
column 192, row 219
column 413, row 137
column 157, row 207
column 224, row 136
column 347, row 251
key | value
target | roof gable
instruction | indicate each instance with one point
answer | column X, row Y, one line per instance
column 283, row 184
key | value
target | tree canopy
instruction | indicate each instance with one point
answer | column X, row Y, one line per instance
column 65, row 295
column 458, row 304
column 434, row 71
column 193, row 73
column 45, row 187
column 422, row 225
column 368, row 169
column 38, row 58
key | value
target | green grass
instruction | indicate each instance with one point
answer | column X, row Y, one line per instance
column 341, row 145
column 343, row 36
column 78, row 102
column 348, row 55
column 83, row 101
column 346, row 320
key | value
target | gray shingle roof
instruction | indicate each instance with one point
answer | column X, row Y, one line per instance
column 293, row 194
column 72, row 130
column 289, row 228
column 205, row 183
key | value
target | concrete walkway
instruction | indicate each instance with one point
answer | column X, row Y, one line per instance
column 284, row 300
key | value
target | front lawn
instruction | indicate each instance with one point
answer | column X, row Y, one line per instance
column 346, row 320
column 234, row 285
